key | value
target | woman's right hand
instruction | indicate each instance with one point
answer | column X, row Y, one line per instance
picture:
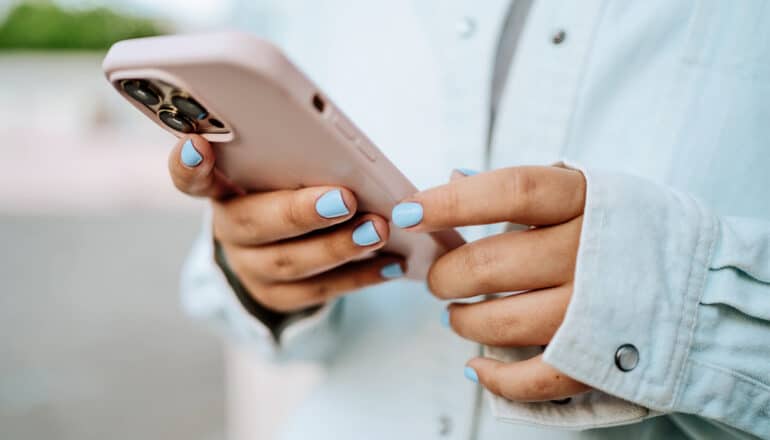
column 291, row 249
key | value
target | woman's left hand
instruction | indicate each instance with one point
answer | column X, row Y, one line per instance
column 540, row 261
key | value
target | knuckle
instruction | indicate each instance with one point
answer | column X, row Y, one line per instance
column 522, row 185
column 337, row 247
column 479, row 263
column 450, row 199
column 242, row 219
column 279, row 265
column 320, row 292
column 293, row 214
column 496, row 331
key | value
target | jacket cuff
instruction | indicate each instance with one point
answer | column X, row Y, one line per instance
column 593, row 409
column 207, row 294
column 641, row 269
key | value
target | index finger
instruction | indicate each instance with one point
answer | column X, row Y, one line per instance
column 533, row 195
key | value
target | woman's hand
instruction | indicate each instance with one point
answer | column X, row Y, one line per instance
column 291, row 249
column 539, row 260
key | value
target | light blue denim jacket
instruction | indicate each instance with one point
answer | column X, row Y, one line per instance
column 665, row 107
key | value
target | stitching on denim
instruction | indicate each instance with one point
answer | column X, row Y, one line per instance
column 735, row 374
column 705, row 234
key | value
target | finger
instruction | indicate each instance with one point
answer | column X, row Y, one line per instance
column 191, row 165
column 306, row 256
column 266, row 217
column 526, row 195
column 459, row 173
column 525, row 319
column 290, row 297
column 531, row 380
column 507, row 262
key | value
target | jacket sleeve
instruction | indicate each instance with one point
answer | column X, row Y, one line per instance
column 208, row 292
column 671, row 305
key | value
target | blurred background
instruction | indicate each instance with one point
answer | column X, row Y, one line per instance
column 93, row 343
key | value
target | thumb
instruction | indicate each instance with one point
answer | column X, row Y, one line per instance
column 192, row 168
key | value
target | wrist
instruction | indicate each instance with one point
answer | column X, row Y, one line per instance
column 276, row 321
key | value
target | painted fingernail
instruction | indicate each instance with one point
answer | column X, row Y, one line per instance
column 331, row 205
column 467, row 171
column 392, row 270
column 190, row 155
column 445, row 318
column 470, row 374
column 365, row 234
column 407, row 214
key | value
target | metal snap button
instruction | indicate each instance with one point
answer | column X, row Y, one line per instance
column 626, row 357
column 559, row 37
column 465, row 27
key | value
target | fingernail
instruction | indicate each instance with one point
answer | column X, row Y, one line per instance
column 467, row 171
column 331, row 205
column 365, row 234
column 190, row 155
column 392, row 270
column 407, row 214
column 445, row 318
column 470, row 374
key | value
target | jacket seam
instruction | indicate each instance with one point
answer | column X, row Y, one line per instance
column 705, row 234
column 737, row 375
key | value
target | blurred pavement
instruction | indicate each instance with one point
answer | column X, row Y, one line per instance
column 93, row 344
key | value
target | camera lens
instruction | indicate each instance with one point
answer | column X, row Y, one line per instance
column 189, row 107
column 142, row 91
column 176, row 120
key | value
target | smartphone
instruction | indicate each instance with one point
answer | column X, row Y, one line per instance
column 270, row 126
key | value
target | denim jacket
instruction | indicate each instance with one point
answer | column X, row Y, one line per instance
column 664, row 106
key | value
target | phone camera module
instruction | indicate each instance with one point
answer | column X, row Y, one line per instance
column 189, row 107
column 176, row 120
column 141, row 91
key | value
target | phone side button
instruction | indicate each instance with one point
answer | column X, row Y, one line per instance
column 345, row 127
column 366, row 151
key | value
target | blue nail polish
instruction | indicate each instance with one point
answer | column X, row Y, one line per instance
column 392, row 270
column 467, row 171
column 470, row 374
column 365, row 234
column 407, row 214
column 331, row 205
column 190, row 155
column 445, row 318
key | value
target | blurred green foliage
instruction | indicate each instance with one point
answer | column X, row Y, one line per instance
column 44, row 25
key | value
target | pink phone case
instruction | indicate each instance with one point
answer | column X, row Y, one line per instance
column 277, row 136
